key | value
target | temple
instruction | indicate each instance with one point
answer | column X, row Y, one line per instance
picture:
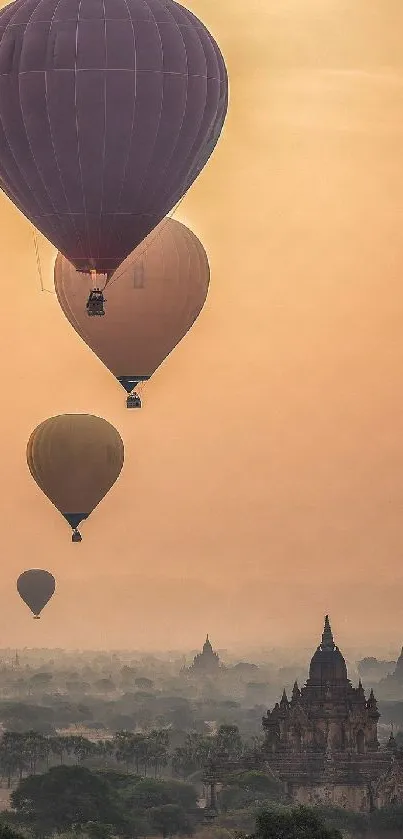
column 205, row 662
column 323, row 741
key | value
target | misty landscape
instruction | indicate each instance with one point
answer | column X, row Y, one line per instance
column 108, row 743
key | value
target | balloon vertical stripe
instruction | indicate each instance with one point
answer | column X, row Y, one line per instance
column 108, row 112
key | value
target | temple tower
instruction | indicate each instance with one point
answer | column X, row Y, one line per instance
column 328, row 714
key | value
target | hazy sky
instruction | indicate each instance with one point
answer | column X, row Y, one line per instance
column 263, row 483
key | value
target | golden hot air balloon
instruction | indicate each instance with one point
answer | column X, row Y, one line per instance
column 75, row 459
column 153, row 299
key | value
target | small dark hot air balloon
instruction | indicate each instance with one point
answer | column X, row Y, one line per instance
column 75, row 459
column 153, row 300
column 109, row 110
column 35, row 588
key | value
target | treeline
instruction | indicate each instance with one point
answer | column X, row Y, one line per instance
column 132, row 711
column 29, row 752
column 80, row 803
column 100, row 805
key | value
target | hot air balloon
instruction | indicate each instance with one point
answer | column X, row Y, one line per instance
column 75, row 459
column 35, row 588
column 109, row 110
column 153, row 299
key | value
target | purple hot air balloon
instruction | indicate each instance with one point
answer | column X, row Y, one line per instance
column 109, row 109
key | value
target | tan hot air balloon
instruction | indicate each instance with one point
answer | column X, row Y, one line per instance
column 153, row 299
column 75, row 459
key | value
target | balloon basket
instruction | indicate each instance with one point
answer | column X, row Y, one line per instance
column 37, row 617
column 76, row 536
column 95, row 303
column 133, row 401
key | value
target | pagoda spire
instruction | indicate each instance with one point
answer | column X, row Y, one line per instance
column 284, row 701
column 327, row 636
column 372, row 706
column 207, row 648
column 296, row 693
column 284, row 706
column 361, row 693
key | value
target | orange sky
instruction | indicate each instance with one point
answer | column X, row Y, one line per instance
column 263, row 483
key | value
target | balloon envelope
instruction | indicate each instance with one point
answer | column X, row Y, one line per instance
column 108, row 112
column 152, row 301
column 36, row 587
column 75, row 459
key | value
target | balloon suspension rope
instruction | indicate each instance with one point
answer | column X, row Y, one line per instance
column 94, row 274
column 38, row 263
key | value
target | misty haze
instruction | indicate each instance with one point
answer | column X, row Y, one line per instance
column 202, row 419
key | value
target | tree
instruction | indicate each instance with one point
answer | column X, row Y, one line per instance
column 19, row 716
column 35, row 749
column 13, row 758
column 193, row 755
column 228, row 740
column 183, row 763
column 121, row 722
column 60, row 746
column 129, row 748
column 82, row 748
column 348, row 822
column 104, row 750
column 65, row 797
column 203, row 747
column 121, row 783
column 96, row 830
column 176, row 711
column 292, row 823
column 387, row 818
column 143, row 683
column 170, row 820
column 248, row 788
column 151, row 793
column 7, row 832
column 41, row 680
column 158, row 740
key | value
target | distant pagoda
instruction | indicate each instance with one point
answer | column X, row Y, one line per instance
column 206, row 662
